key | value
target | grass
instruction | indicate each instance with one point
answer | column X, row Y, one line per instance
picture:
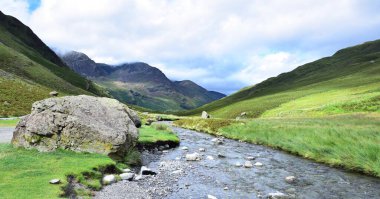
column 157, row 133
column 26, row 173
column 9, row 123
column 350, row 141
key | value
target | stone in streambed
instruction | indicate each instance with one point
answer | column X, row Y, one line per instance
column 127, row 176
column 193, row 157
column 109, row 179
column 248, row 164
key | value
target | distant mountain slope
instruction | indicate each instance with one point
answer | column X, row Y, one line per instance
column 348, row 81
column 27, row 62
column 141, row 84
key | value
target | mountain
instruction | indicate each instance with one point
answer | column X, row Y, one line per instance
column 141, row 84
column 345, row 82
column 29, row 70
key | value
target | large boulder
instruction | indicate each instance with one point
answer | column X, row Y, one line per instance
column 78, row 123
column 134, row 117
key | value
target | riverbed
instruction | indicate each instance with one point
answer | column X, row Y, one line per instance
column 217, row 175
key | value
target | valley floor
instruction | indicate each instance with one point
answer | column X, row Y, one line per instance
column 350, row 141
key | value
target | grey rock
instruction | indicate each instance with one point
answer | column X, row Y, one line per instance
column 205, row 115
column 243, row 114
column 55, row 181
column 192, row 157
column 250, row 158
column 248, row 164
column 211, row 197
column 78, row 123
column 109, row 179
column 127, row 170
column 54, row 93
column 159, row 118
column 185, row 148
column 221, row 155
column 277, row 195
column 258, row 164
column 146, row 171
column 290, row 179
column 202, row 149
column 127, row 176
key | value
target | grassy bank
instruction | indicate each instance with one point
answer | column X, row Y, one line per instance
column 349, row 141
column 157, row 134
column 9, row 123
column 26, row 173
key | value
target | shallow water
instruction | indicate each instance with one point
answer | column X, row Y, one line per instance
column 205, row 177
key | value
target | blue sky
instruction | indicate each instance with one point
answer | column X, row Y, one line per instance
column 222, row 45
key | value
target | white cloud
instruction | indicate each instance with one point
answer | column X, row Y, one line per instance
column 259, row 68
column 16, row 8
column 244, row 41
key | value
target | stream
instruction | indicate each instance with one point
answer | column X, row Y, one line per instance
column 219, row 176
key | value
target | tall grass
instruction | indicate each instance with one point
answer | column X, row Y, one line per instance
column 349, row 141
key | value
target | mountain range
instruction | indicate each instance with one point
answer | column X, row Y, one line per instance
column 141, row 84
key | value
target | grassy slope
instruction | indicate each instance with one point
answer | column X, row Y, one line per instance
column 345, row 82
column 350, row 141
column 26, row 173
column 29, row 70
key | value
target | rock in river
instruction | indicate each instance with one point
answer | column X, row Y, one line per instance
column 78, row 123
column 192, row 157
column 109, row 179
column 248, row 164
column 127, row 176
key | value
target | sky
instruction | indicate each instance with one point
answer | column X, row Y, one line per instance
column 222, row 45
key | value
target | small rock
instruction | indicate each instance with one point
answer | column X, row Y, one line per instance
column 258, row 164
column 290, row 179
column 178, row 158
column 205, row 115
column 167, row 146
column 202, row 149
column 127, row 170
column 209, row 157
column 221, row 155
column 165, row 151
column 238, row 164
column 55, row 181
column 243, row 114
column 192, row 157
column 109, row 179
column 146, row 171
column 225, row 188
column 177, row 171
column 211, row 197
column 248, row 164
column 217, row 141
column 149, row 122
column 127, row 176
column 161, row 148
column 54, row 93
column 185, row 148
column 277, row 195
column 291, row 190
column 158, row 118
column 250, row 158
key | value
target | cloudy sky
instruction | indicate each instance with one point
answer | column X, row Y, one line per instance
column 222, row 45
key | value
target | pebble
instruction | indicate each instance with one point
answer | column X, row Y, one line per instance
column 185, row 148
column 221, row 155
column 109, row 179
column 127, row 170
column 209, row 157
column 258, row 164
column 238, row 164
column 290, row 179
column 250, row 158
column 277, row 195
column 225, row 188
column 55, row 181
column 127, row 176
column 211, row 197
column 248, row 164
column 202, row 149
column 193, row 157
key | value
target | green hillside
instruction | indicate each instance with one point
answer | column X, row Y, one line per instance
column 348, row 81
column 29, row 70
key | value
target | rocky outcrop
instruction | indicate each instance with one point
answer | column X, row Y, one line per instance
column 78, row 123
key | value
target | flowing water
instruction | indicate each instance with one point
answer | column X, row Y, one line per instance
column 222, row 179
